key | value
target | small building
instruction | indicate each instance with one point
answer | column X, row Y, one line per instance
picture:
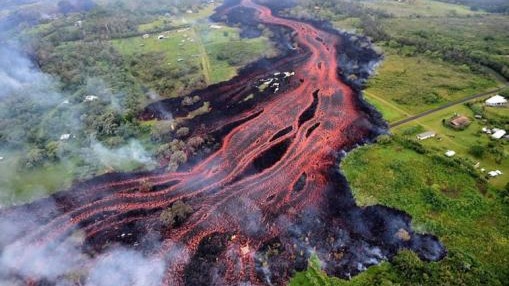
column 1, row 158
column 90, row 98
column 450, row 153
column 426, row 135
column 496, row 101
column 498, row 133
column 160, row 37
column 65, row 137
column 460, row 122
column 146, row 36
column 495, row 173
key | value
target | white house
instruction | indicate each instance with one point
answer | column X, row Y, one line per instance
column 450, row 153
column 65, row 137
column 495, row 173
column 498, row 133
column 426, row 135
column 90, row 98
column 496, row 100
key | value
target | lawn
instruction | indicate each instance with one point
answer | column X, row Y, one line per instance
column 460, row 141
column 444, row 199
column 418, row 83
column 17, row 186
column 200, row 45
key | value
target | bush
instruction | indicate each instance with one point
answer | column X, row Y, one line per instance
column 176, row 214
column 477, row 151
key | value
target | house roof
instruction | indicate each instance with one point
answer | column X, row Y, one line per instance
column 426, row 134
column 498, row 134
column 497, row 99
column 460, row 121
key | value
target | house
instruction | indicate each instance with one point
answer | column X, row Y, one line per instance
column 496, row 101
column 65, row 137
column 460, row 122
column 450, row 153
column 498, row 133
column 426, row 135
column 90, row 98
column 495, row 173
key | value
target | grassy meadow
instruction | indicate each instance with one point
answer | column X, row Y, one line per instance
column 406, row 85
column 419, row 8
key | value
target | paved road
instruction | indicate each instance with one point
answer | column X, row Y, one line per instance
column 463, row 100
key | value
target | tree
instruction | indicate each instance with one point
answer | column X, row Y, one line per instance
column 176, row 214
column 182, row 132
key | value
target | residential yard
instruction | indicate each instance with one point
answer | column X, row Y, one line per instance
column 202, row 46
column 461, row 141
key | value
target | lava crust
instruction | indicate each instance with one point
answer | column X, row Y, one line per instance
column 267, row 199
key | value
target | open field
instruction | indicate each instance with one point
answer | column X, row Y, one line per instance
column 419, row 8
column 415, row 84
column 200, row 45
column 24, row 186
column 483, row 36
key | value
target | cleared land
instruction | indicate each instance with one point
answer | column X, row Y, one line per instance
column 201, row 45
column 407, row 85
column 419, row 8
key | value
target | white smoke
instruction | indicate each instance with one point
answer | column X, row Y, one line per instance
column 118, row 158
column 19, row 76
column 126, row 267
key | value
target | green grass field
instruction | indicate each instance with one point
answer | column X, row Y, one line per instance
column 419, row 8
column 443, row 199
column 199, row 45
column 486, row 34
column 415, row 84
column 24, row 186
column 460, row 141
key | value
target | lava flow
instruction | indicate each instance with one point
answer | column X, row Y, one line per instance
column 266, row 200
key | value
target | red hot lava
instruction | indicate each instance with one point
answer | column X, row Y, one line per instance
column 266, row 200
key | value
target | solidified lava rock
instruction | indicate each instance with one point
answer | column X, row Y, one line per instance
column 264, row 202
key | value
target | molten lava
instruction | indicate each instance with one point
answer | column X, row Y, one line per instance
column 266, row 200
